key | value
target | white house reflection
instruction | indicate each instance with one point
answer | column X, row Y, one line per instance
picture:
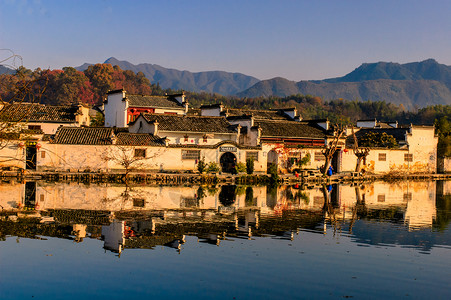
column 143, row 216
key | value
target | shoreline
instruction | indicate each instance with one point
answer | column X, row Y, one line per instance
column 196, row 178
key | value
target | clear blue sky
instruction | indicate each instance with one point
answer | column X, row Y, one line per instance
column 298, row 40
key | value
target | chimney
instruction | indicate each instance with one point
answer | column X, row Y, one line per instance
column 238, row 129
column 181, row 98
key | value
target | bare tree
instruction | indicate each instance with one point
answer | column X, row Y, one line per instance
column 23, row 90
column 129, row 157
column 360, row 152
column 331, row 147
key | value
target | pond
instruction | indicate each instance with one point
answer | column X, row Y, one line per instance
column 108, row 241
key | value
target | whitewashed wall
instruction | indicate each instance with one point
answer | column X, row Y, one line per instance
column 116, row 110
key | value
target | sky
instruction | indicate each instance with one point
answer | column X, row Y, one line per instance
column 297, row 40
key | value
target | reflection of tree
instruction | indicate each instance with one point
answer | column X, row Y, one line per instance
column 329, row 209
column 443, row 215
column 249, row 200
column 359, row 210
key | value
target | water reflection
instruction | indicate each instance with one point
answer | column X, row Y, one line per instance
column 143, row 216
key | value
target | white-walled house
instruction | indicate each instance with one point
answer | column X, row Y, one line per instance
column 108, row 149
column 44, row 118
column 121, row 108
column 415, row 152
column 212, row 138
column 28, row 126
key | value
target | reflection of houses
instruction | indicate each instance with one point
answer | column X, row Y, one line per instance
column 114, row 236
column 146, row 216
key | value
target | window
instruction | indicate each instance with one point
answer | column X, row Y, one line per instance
column 42, row 154
column 319, row 156
column 138, row 202
column 140, row 152
column 191, row 154
column 382, row 156
column 407, row 197
column 408, row 157
column 41, row 197
column 34, row 127
column 381, row 198
column 252, row 154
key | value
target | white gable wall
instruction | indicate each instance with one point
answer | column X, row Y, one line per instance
column 115, row 110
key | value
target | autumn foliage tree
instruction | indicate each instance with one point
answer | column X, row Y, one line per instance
column 69, row 86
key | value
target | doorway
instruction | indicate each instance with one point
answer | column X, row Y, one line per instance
column 228, row 162
column 30, row 157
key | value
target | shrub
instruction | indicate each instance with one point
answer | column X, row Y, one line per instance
column 250, row 166
column 305, row 160
column 201, row 165
column 212, row 167
column 240, row 167
column 272, row 170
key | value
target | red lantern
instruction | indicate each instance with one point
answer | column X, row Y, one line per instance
column 21, row 144
column 345, row 150
column 38, row 146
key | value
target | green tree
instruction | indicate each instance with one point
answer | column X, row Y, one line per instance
column 378, row 139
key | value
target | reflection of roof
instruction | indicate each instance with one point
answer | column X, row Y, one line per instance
column 153, row 101
column 103, row 136
column 27, row 112
column 190, row 123
column 289, row 129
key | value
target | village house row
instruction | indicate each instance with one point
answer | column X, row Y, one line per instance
column 162, row 133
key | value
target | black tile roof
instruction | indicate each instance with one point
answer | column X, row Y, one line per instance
column 190, row 123
column 34, row 112
column 139, row 139
column 290, row 129
column 83, row 136
column 153, row 101
column 398, row 133
column 257, row 114
column 103, row 136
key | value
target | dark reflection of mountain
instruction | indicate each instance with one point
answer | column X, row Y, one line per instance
column 410, row 214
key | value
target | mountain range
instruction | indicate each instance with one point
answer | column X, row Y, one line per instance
column 416, row 84
column 220, row 82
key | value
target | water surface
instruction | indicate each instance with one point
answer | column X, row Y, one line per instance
column 72, row 241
